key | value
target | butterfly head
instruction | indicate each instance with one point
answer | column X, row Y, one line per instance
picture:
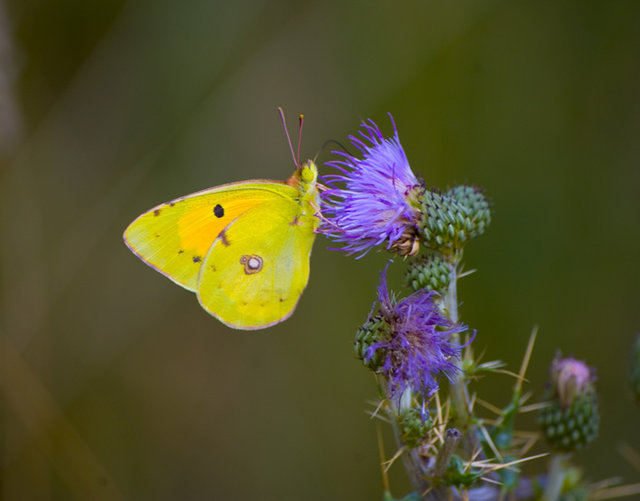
column 304, row 178
column 308, row 172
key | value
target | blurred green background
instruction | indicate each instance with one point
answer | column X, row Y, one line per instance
column 118, row 385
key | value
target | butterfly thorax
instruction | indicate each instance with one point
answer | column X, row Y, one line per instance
column 304, row 179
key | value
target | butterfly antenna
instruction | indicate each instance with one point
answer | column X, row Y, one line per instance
column 286, row 133
column 332, row 141
column 301, row 121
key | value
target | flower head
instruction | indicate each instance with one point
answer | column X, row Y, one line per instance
column 417, row 346
column 368, row 201
column 569, row 379
column 571, row 419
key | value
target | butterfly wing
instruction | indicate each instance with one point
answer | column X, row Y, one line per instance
column 258, row 266
column 175, row 237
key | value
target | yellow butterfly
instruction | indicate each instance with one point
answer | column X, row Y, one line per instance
column 243, row 248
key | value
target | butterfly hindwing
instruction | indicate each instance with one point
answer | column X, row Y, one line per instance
column 175, row 237
column 258, row 267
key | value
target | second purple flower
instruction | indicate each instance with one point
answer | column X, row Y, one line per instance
column 409, row 341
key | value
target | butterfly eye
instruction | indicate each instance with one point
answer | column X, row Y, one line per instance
column 309, row 172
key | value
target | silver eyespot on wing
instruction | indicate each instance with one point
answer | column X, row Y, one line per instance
column 252, row 263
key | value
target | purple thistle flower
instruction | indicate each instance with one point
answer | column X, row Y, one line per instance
column 369, row 200
column 419, row 345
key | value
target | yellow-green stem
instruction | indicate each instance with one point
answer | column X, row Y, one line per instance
column 555, row 478
column 457, row 387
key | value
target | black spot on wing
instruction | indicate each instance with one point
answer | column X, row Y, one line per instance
column 180, row 251
column 218, row 211
column 156, row 212
column 197, row 259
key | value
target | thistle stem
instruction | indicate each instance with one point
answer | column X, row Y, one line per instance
column 451, row 440
column 457, row 387
column 555, row 479
column 412, row 462
column 452, row 295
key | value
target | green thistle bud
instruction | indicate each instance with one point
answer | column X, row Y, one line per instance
column 448, row 221
column 571, row 419
column 414, row 426
column 635, row 370
column 474, row 200
column 372, row 331
column 574, row 427
column 431, row 272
